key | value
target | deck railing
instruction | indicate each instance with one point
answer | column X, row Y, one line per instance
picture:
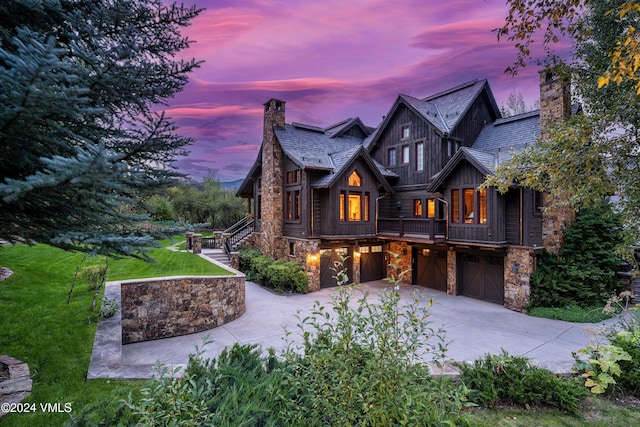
column 430, row 228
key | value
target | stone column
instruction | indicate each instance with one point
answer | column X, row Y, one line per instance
column 452, row 272
column 518, row 267
column 197, row 243
column 189, row 241
column 402, row 250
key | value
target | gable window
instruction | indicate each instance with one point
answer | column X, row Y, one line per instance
column 467, row 195
column 391, row 157
column 420, row 156
column 431, row 208
column 405, row 132
column 417, row 208
column 482, row 206
column 355, row 180
column 455, row 206
column 405, row 154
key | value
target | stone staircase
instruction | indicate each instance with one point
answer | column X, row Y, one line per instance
column 218, row 255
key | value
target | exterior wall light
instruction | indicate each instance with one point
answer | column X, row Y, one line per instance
column 514, row 268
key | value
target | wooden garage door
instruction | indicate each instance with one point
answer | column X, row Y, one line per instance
column 431, row 269
column 371, row 263
column 328, row 259
column 482, row 277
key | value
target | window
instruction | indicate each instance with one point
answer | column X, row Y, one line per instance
column 292, row 208
column 452, row 147
column 293, row 177
column 259, row 183
column 355, row 180
column 538, row 202
column 355, row 207
column 431, row 208
column 417, row 208
column 405, row 132
column 482, row 206
column 364, row 249
column 259, row 207
column 292, row 248
column 405, row 154
column 420, row 156
column 467, row 195
column 377, row 248
column 455, row 206
column 391, row 157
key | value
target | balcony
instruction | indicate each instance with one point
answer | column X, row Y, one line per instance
column 422, row 228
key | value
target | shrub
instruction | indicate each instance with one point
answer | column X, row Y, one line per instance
column 360, row 364
column 94, row 275
column 505, row 379
column 278, row 275
column 584, row 271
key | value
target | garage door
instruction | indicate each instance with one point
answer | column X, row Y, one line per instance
column 372, row 265
column 482, row 277
column 431, row 269
column 328, row 259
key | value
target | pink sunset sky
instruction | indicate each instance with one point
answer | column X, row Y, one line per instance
column 330, row 60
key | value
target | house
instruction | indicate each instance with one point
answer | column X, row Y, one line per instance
column 408, row 187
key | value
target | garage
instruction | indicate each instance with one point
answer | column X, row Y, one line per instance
column 481, row 277
column 431, row 268
column 329, row 257
column 372, row 265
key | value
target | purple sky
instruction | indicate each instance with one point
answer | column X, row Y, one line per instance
column 330, row 60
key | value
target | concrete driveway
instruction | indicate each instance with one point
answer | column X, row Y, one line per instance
column 473, row 329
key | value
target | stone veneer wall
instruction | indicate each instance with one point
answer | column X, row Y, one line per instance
column 272, row 219
column 307, row 254
column 518, row 268
column 403, row 261
column 168, row 307
column 452, row 272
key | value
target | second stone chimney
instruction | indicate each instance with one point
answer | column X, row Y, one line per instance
column 555, row 105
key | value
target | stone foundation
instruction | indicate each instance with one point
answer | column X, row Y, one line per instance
column 518, row 268
column 168, row 307
column 15, row 381
column 403, row 261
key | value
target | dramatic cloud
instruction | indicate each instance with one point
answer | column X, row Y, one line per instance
column 329, row 60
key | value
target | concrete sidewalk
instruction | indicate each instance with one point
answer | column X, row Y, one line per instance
column 473, row 329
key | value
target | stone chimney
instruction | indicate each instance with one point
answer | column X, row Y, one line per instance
column 555, row 105
column 272, row 216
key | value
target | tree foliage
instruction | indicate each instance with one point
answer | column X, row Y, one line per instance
column 595, row 154
column 81, row 81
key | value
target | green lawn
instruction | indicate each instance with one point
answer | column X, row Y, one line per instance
column 38, row 327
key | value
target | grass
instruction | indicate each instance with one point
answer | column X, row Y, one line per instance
column 571, row 313
column 38, row 327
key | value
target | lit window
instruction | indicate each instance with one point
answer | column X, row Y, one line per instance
column 405, row 154
column 354, row 179
column 342, row 205
column 455, row 206
column 468, row 205
column 482, row 206
column 366, row 206
column 405, row 132
column 364, row 249
column 377, row 248
column 419, row 156
column 417, row 208
column 391, row 157
column 431, row 208
column 355, row 208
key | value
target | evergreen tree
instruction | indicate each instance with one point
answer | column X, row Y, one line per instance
column 81, row 138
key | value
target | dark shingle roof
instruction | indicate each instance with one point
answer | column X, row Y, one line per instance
column 453, row 103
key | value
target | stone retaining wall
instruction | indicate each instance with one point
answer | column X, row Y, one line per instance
column 168, row 307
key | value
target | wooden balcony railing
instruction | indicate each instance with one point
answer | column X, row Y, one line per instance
column 430, row 228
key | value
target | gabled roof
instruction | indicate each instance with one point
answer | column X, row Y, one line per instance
column 484, row 162
column 443, row 110
column 344, row 159
column 338, row 129
column 246, row 188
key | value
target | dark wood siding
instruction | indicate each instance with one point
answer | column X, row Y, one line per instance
column 330, row 224
column 296, row 227
column 473, row 121
column 512, row 216
column 467, row 176
column 420, row 131
column 533, row 220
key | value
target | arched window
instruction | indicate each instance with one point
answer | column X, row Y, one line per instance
column 355, row 180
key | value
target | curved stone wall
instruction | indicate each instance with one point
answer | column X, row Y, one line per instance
column 171, row 306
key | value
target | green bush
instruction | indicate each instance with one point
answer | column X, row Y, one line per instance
column 584, row 271
column 279, row 275
column 361, row 364
column 94, row 275
column 505, row 379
